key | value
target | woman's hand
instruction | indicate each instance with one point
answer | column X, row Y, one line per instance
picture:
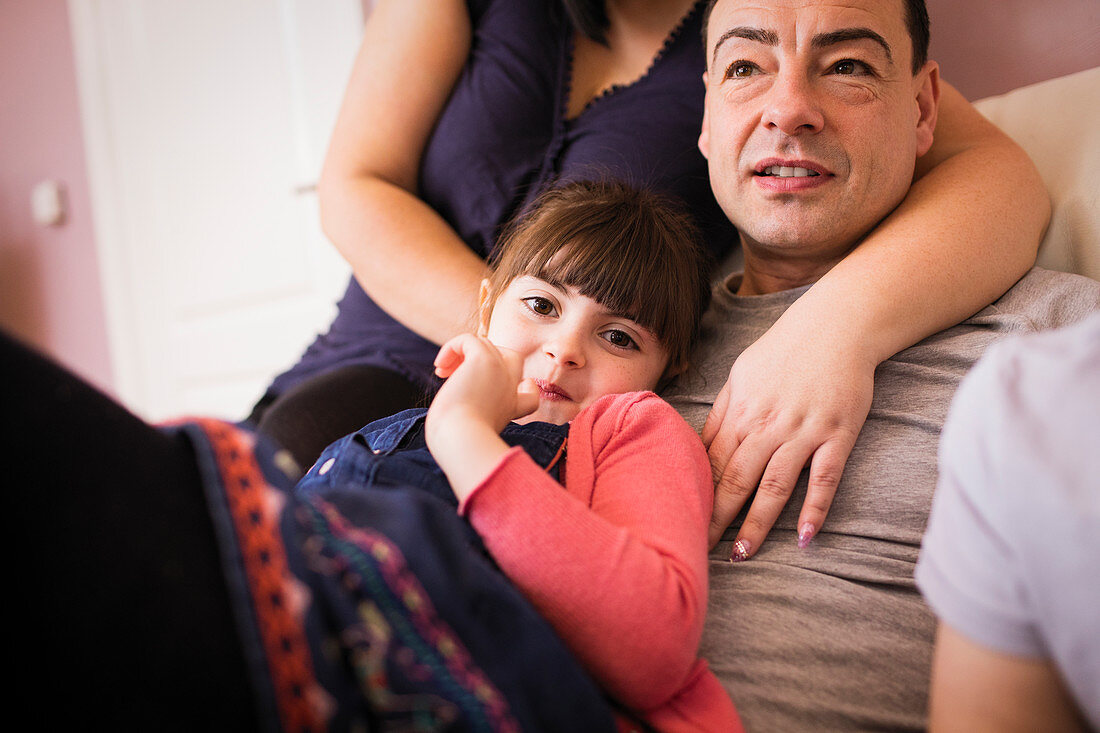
column 787, row 404
column 484, row 391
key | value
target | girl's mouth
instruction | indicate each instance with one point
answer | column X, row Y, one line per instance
column 550, row 391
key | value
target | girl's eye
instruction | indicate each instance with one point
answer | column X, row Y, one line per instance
column 740, row 69
column 541, row 306
column 620, row 339
column 850, row 67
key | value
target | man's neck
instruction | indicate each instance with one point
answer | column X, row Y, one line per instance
column 767, row 272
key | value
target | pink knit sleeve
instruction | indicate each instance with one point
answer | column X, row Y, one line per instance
column 617, row 561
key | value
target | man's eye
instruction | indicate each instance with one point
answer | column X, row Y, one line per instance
column 848, row 67
column 740, row 69
column 541, row 306
column 620, row 338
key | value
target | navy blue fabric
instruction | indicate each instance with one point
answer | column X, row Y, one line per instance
column 503, row 137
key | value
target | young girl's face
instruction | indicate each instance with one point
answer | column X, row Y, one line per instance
column 574, row 348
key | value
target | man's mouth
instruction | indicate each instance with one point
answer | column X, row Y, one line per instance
column 786, row 171
column 790, row 176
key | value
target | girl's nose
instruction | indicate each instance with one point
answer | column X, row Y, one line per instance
column 566, row 351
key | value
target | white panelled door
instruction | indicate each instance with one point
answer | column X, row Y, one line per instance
column 205, row 124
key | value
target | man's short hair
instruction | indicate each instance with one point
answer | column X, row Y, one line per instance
column 916, row 22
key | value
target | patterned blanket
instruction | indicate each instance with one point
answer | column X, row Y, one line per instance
column 377, row 609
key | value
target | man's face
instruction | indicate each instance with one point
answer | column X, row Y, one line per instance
column 813, row 120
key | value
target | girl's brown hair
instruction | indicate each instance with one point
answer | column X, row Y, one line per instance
column 633, row 251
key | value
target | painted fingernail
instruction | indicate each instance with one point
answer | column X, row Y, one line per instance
column 741, row 550
column 805, row 534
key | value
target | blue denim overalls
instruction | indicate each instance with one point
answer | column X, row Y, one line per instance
column 392, row 452
column 421, row 611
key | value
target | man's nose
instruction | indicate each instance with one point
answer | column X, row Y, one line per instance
column 792, row 106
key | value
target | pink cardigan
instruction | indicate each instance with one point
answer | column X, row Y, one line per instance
column 617, row 561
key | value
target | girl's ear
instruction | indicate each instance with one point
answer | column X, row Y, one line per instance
column 484, row 307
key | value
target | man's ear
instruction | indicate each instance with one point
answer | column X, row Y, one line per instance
column 704, row 134
column 484, row 307
column 927, row 85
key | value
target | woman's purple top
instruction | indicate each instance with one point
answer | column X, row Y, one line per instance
column 504, row 136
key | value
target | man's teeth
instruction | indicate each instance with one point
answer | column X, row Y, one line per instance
column 786, row 171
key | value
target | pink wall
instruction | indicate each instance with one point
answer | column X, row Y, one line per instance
column 50, row 292
column 987, row 47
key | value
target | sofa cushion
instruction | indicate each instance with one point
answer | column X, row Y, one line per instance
column 1058, row 123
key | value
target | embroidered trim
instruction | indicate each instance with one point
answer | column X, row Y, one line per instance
column 279, row 600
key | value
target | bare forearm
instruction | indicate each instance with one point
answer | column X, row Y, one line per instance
column 404, row 255
column 977, row 689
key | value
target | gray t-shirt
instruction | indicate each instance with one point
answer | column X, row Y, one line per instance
column 836, row 636
column 1009, row 559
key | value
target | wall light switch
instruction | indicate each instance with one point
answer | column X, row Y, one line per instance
column 48, row 203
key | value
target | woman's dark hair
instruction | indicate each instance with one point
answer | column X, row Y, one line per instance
column 589, row 17
column 634, row 251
